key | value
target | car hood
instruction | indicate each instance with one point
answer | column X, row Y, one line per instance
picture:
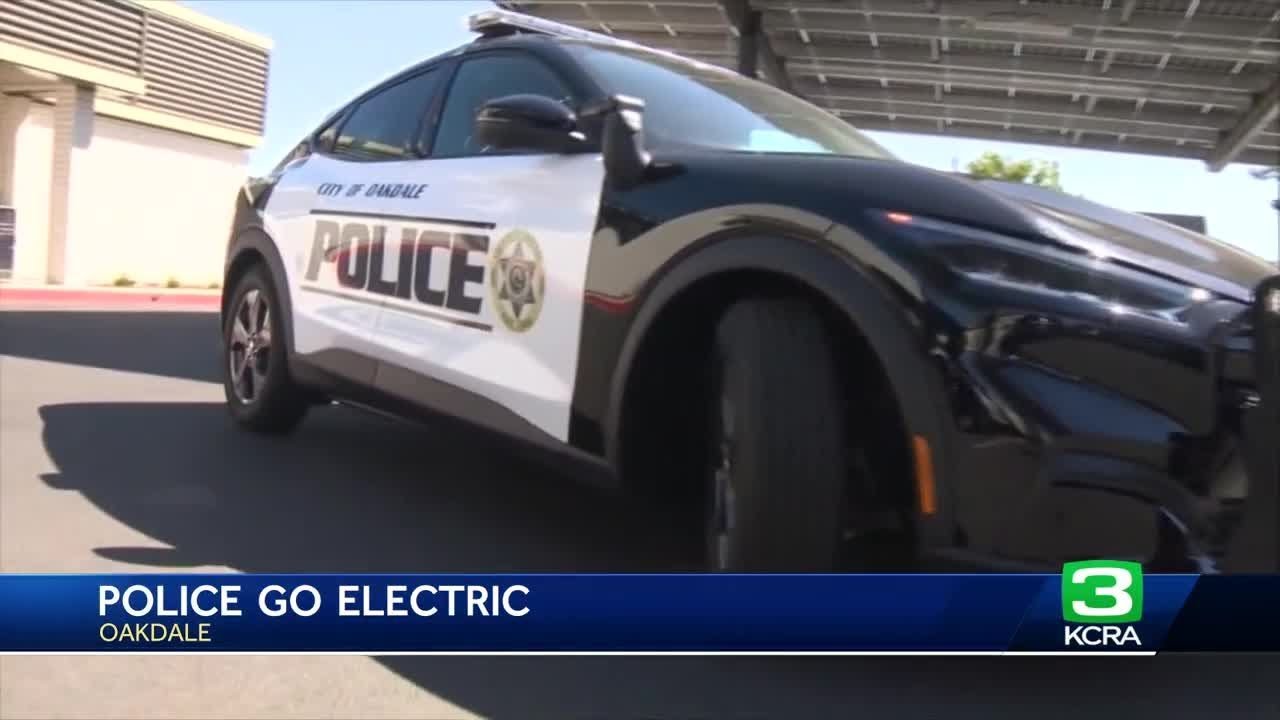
column 1140, row 241
column 844, row 187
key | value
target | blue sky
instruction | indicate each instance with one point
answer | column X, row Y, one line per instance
column 328, row 50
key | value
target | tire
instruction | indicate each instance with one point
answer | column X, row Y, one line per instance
column 261, row 396
column 778, row 449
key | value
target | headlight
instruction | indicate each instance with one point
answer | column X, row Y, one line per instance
column 1075, row 266
column 1271, row 301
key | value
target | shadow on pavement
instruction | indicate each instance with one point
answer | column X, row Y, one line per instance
column 354, row 493
column 349, row 492
column 169, row 343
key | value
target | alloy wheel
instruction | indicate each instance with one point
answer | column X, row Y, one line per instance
column 249, row 346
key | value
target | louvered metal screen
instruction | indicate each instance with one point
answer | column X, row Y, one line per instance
column 102, row 33
column 211, row 77
column 188, row 70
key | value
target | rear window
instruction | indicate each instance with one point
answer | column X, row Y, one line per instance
column 385, row 125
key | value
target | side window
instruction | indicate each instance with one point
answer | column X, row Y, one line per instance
column 385, row 125
column 479, row 80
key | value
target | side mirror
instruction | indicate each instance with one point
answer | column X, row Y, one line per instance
column 527, row 122
column 626, row 161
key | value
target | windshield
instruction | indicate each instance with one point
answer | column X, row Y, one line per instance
column 690, row 103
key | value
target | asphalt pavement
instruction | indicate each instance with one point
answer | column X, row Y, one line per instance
column 116, row 455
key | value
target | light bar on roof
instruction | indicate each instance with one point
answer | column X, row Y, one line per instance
column 488, row 20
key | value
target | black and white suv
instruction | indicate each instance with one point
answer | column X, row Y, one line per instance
column 704, row 286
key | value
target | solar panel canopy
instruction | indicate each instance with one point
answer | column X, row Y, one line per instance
column 1182, row 78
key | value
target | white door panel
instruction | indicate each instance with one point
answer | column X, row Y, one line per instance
column 541, row 207
column 322, row 319
column 483, row 262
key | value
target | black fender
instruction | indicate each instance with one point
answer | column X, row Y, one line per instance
column 847, row 270
column 255, row 240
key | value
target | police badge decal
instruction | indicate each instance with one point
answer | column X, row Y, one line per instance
column 517, row 282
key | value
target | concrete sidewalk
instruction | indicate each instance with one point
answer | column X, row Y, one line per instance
column 113, row 298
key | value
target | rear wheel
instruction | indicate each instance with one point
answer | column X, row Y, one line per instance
column 778, row 455
column 261, row 396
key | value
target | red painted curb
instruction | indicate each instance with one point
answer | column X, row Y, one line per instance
column 107, row 298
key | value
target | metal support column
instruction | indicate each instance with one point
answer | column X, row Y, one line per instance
column 749, row 43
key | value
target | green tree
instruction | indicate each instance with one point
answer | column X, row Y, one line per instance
column 996, row 167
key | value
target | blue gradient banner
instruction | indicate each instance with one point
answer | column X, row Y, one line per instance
column 633, row 613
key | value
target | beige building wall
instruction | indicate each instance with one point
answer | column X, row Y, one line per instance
column 147, row 203
column 27, row 186
column 157, row 204
column 12, row 112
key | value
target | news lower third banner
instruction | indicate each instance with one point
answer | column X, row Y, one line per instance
column 1091, row 607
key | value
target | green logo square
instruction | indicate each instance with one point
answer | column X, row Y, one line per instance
column 1104, row 592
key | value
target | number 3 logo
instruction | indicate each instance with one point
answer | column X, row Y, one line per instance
column 1102, row 591
column 1121, row 601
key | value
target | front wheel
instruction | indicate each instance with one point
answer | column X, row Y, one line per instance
column 261, row 396
column 778, row 453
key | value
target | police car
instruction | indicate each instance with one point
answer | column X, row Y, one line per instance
column 718, row 295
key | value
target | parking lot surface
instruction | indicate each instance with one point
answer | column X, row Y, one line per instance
column 116, row 456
